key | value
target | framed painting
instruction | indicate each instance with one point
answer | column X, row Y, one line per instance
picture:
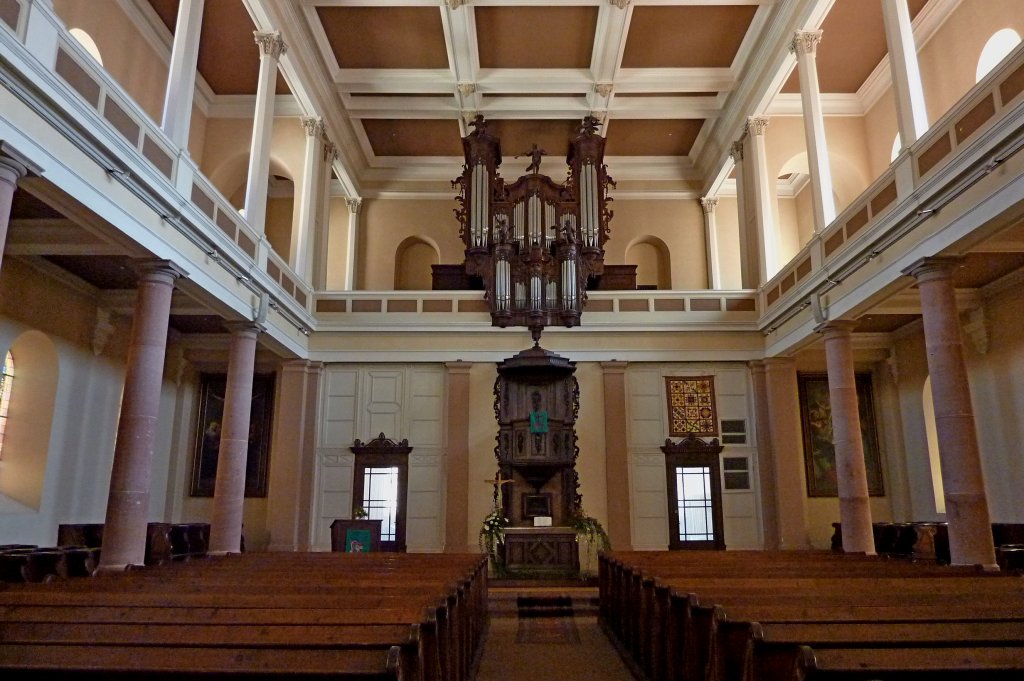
column 691, row 406
column 816, row 423
column 207, row 442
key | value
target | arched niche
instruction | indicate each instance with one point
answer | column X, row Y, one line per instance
column 29, row 418
column 653, row 262
column 413, row 259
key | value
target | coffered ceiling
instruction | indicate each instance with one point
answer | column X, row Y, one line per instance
column 396, row 80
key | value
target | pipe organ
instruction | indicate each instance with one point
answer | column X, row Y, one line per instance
column 534, row 243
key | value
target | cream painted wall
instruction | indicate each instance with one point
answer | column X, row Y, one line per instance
column 678, row 223
column 648, row 429
column 949, row 60
column 403, row 401
column 483, row 429
column 337, row 244
column 127, row 56
column 389, row 223
column 728, row 230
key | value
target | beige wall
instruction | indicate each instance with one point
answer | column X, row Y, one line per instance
column 677, row 223
column 385, row 224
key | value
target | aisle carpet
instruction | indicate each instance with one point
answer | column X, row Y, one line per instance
column 547, row 634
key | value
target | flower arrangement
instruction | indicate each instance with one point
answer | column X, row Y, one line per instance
column 360, row 513
column 591, row 533
column 492, row 534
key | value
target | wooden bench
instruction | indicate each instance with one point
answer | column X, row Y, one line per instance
column 424, row 618
column 678, row 617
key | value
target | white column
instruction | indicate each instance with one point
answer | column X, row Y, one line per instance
column 911, row 112
column 353, row 242
column 322, row 231
column 804, row 45
column 309, row 207
column 181, row 80
column 271, row 48
column 708, row 204
column 748, row 245
column 763, row 214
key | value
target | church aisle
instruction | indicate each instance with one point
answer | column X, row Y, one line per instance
column 545, row 635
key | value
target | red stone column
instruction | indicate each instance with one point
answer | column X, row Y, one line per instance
column 229, row 489
column 784, row 430
column 765, row 457
column 970, row 529
column 851, row 474
column 124, row 535
column 456, row 517
column 616, row 447
column 10, row 172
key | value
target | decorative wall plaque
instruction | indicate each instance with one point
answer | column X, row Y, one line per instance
column 691, row 405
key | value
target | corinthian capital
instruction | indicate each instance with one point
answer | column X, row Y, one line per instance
column 270, row 44
column 805, row 42
column 736, row 151
column 756, row 125
column 314, row 127
column 354, row 205
column 709, row 203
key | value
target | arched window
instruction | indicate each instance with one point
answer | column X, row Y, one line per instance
column 86, row 41
column 897, row 144
column 933, row 446
column 998, row 46
column 6, row 381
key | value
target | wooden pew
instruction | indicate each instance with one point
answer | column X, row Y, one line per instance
column 262, row 609
column 655, row 605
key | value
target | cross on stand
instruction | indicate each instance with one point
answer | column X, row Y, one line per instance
column 498, row 481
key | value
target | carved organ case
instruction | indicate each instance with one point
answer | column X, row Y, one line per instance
column 536, row 402
column 534, row 242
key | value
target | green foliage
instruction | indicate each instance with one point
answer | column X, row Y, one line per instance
column 492, row 534
column 591, row 528
column 360, row 513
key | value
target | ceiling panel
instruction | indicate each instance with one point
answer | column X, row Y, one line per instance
column 103, row 272
column 535, row 37
column 385, row 37
column 634, row 137
column 518, row 137
column 686, row 36
column 405, row 137
column 852, row 45
column 229, row 59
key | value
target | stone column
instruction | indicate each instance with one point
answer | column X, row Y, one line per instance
column 353, row 243
column 229, row 489
column 790, row 484
column 851, row 474
column 10, row 172
column 765, row 456
column 748, row 240
column 616, row 456
column 321, row 237
column 764, row 215
column 271, row 48
column 456, row 518
column 911, row 112
column 309, row 206
column 292, row 462
column 124, row 533
column 804, row 45
column 181, row 80
column 709, row 204
column 970, row 529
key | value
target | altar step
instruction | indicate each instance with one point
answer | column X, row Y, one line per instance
column 547, row 601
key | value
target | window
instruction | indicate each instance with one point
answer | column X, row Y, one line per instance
column 86, row 41
column 736, row 471
column 693, row 503
column 694, row 477
column 998, row 46
column 380, row 487
column 380, row 498
column 6, row 382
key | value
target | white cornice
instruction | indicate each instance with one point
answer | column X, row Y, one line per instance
column 832, row 104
